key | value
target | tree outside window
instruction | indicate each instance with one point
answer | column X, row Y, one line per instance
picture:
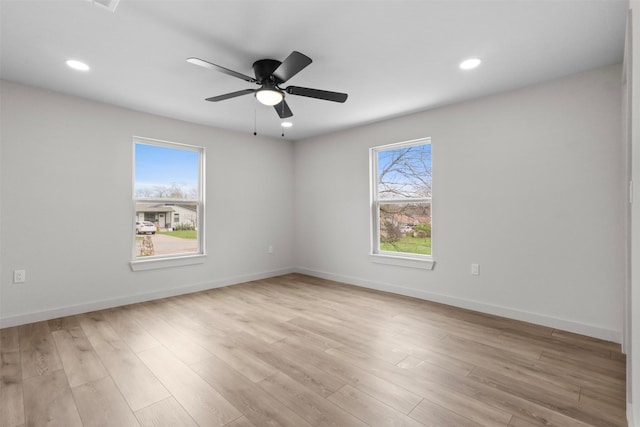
column 401, row 198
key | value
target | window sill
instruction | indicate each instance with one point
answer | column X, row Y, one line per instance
column 400, row 261
column 156, row 263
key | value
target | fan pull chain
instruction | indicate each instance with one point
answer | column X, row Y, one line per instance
column 254, row 122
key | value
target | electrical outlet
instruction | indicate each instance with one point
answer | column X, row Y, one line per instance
column 475, row 269
column 270, row 249
column 19, row 276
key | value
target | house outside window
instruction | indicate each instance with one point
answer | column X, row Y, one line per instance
column 168, row 201
column 401, row 199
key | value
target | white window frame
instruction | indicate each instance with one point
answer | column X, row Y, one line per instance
column 171, row 260
column 402, row 259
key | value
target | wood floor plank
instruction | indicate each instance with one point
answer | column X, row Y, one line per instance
column 182, row 320
column 370, row 410
column 605, row 408
column 387, row 392
column 451, row 362
column 313, row 339
column 198, row 311
column 297, row 350
column 170, row 337
column 101, row 404
column 63, row 323
column 353, row 340
column 315, row 409
column 258, row 406
column 432, row 383
column 210, row 311
column 38, row 353
column 9, row 339
column 522, row 408
column 79, row 359
column 519, row 422
column 426, row 382
column 239, row 357
column 498, row 323
column 256, row 327
column 522, row 340
column 604, row 396
column 135, row 381
column 48, row 401
column 619, row 357
column 315, row 379
column 542, row 397
column 241, row 422
column 433, row 415
column 129, row 330
column 533, row 372
column 166, row 413
column 604, row 370
column 583, row 341
column 11, row 393
column 416, row 383
column 201, row 401
column 438, row 398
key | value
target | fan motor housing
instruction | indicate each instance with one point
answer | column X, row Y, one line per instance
column 264, row 68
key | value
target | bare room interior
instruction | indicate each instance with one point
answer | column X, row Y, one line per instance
column 319, row 213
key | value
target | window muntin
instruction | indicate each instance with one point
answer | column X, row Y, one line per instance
column 401, row 199
column 168, row 191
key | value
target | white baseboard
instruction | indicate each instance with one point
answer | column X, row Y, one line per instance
column 49, row 314
column 552, row 322
column 525, row 316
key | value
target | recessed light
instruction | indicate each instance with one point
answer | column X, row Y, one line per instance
column 77, row 65
column 469, row 64
column 286, row 124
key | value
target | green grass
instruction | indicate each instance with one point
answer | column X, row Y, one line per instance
column 183, row 234
column 413, row 245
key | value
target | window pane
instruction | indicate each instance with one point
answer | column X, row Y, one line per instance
column 166, row 173
column 405, row 227
column 167, row 197
column 158, row 235
column 404, row 172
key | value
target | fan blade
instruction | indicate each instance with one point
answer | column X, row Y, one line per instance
column 317, row 93
column 291, row 66
column 215, row 67
column 283, row 110
column 230, row 95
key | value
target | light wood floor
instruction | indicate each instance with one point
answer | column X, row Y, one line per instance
column 300, row 351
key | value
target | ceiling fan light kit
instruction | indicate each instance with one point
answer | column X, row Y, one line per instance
column 270, row 74
column 269, row 96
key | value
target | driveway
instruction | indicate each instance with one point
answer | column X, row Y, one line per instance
column 165, row 245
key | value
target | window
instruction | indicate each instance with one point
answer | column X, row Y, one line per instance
column 401, row 199
column 167, row 200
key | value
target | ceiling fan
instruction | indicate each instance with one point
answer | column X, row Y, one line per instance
column 269, row 75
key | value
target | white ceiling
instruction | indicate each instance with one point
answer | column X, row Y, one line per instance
column 391, row 57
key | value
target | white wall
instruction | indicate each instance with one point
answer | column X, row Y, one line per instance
column 66, row 205
column 529, row 184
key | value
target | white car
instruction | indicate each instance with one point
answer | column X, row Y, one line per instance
column 144, row 227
